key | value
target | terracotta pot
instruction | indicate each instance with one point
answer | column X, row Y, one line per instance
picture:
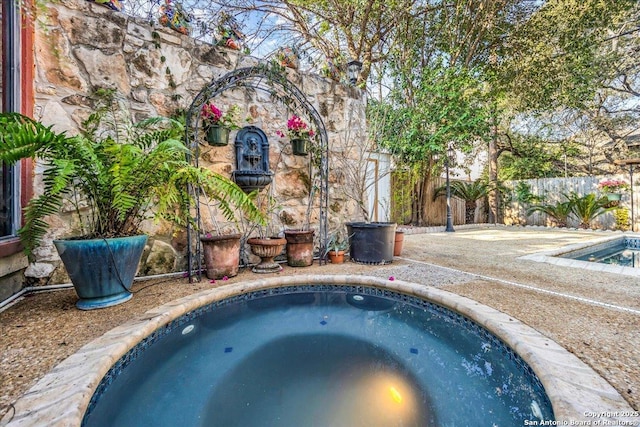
column 336, row 257
column 221, row 255
column 397, row 246
column 299, row 247
column 267, row 249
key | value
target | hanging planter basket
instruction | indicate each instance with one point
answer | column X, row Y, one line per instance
column 300, row 146
column 217, row 136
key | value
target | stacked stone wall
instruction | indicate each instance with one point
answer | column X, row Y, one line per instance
column 82, row 46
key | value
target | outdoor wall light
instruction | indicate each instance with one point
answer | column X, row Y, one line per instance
column 353, row 70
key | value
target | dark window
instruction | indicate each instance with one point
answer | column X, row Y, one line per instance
column 9, row 101
column 7, row 202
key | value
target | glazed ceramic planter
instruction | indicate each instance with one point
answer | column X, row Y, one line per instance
column 101, row 270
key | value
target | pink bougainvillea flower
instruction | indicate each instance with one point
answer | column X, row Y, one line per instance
column 392, row 278
column 212, row 281
column 297, row 128
column 225, row 278
column 211, row 113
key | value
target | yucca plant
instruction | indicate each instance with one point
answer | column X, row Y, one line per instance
column 115, row 173
column 470, row 192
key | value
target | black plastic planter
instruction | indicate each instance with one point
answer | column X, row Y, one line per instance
column 371, row 243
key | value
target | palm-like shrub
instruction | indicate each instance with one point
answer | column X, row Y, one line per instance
column 588, row 207
column 115, row 174
column 559, row 212
column 470, row 192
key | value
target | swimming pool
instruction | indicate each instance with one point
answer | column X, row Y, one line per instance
column 325, row 355
column 623, row 251
column 618, row 254
column 67, row 393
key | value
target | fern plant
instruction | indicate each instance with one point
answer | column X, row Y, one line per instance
column 115, row 173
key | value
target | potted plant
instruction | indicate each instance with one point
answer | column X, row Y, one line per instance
column 299, row 134
column 337, row 245
column 288, row 57
column 229, row 34
column 217, row 125
column 268, row 244
column 300, row 245
column 613, row 188
column 115, row 174
column 221, row 249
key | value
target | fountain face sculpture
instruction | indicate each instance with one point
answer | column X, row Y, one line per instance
column 252, row 159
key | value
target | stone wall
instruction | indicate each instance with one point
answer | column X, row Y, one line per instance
column 81, row 46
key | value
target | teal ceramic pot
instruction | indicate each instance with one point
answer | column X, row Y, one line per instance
column 101, row 270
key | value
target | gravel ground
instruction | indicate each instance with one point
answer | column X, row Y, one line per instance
column 581, row 310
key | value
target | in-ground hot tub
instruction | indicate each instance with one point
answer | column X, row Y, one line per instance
column 329, row 350
column 326, row 355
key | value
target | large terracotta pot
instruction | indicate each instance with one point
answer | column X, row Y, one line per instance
column 299, row 247
column 221, row 255
column 267, row 249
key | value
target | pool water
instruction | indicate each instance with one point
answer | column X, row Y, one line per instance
column 318, row 358
column 624, row 252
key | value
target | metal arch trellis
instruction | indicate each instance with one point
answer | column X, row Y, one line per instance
column 270, row 78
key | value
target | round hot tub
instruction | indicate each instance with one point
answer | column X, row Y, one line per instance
column 318, row 350
column 325, row 355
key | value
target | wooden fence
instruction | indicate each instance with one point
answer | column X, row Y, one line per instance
column 435, row 210
column 546, row 190
column 551, row 191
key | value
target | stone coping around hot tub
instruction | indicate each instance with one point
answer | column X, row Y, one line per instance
column 576, row 392
column 553, row 256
